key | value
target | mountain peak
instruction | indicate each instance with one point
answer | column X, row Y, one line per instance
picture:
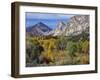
column 38, row 29
column 40, row 24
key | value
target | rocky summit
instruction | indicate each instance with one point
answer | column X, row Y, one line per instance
column 74, row 26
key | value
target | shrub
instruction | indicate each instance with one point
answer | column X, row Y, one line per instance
column 33, row 49
column 85, row 46
column 61, row 43
column 72, row 48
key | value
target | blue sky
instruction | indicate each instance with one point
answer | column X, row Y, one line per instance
column 51, row 20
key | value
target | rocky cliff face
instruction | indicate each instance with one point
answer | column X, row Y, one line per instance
column 76, row 25
column 60, row 29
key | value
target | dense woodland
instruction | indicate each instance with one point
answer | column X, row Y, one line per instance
column 59, row 50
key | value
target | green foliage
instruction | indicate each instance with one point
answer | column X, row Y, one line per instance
column 79, row 46
column 84, row 36
column 33, row 50
column 72, row 48
column 85, row 47
column 59, row 50
column 61, row 43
